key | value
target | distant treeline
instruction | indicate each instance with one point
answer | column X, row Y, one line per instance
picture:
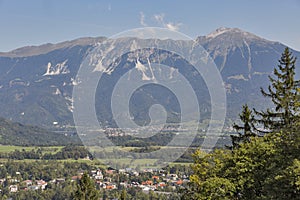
column 163, row 139
column 68, row 152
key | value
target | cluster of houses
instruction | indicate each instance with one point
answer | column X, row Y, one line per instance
column 15, row 185
column 159, row 179
column 117, row 132
column 107, row 179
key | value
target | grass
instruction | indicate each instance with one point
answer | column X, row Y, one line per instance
column 142, row 163
column 10, row 148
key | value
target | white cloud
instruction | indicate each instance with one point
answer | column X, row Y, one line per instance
column 142, row 19
column 160, row 18
column 169, row 25
column 173, row 26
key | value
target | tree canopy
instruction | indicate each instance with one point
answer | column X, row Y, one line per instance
column 86, row 189
column 266, row 167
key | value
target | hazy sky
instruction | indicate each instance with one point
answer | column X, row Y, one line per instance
column 33, row 22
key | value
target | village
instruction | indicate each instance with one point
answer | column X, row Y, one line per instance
column 108, row 179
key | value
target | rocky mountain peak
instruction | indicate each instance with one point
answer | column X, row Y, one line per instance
column 224, row 42
column 224, row 32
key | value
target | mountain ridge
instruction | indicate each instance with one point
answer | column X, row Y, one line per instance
column 47, row 47
column 37, row 89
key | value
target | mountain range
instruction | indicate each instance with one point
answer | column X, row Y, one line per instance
column 36, row 82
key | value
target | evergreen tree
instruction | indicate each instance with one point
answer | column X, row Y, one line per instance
column 86, row 189
column 284, row 93
column 123, row 195
column 248, row 128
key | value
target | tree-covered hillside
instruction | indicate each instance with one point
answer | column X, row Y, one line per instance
column 12, row 133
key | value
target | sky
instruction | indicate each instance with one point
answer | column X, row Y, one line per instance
column 35, row 22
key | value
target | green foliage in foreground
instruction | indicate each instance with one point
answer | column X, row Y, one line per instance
column 265, row 167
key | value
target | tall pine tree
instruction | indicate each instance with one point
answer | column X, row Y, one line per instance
column 283, row 93
column 246, row 131
column 86, row 189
